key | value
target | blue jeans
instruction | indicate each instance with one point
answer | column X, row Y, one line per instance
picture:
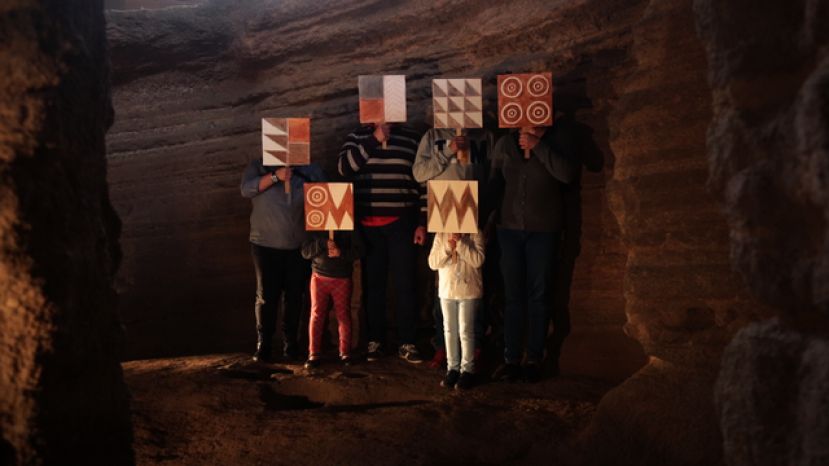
column 526, row 263
column 458, row 323
column 480, row 324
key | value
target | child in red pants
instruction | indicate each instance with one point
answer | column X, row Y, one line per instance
column 332, row 262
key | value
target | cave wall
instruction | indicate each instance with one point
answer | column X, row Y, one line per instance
column 768, row 147
column 62, row 395
column 683, row 300
column 191, row 84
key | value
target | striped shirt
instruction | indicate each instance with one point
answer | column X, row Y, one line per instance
column 383, row 181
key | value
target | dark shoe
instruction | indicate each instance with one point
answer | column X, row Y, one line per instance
column 438, row 360
column 375, row 351
column 507, row 373
column 410, row 354
column 466, row 381
column 450, row 380
column 263, row 352
column 312, row 363
column 346, row 360
column 532, row 372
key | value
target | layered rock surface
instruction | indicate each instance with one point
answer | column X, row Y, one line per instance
column 190, row 87
column 769, row 158
column 62, row 394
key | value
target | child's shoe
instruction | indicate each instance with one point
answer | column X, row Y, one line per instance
column 312, row 363
column 465, row 381
column 346, row 360
column 451, row 379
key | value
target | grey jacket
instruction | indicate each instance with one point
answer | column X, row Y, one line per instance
column 277, row 220
column 435, row 160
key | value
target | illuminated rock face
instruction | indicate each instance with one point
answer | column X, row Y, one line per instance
column 191, row 85
column 769, row 158
column 62, row 395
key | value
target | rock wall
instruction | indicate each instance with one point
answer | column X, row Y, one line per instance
column 62, row 395
column 683, row 301
column 191, row 84
column 768, row 147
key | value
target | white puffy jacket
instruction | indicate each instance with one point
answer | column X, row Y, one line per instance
column 461, row 279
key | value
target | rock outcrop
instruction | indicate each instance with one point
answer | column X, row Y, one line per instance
column 190, row 87
column 62, row 394
column 683, row 301
column 768, row 150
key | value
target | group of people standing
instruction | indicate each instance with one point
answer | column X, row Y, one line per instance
column 521, row 179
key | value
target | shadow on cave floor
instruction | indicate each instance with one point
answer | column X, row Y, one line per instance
column 224, row 409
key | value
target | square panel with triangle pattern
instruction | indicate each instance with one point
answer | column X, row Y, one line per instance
column 286, row 141
column 458, row 103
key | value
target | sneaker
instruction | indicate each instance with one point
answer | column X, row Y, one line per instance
column 409, row 353
column 451, row 379
column 532, row 372
column 375, row 351
column 507, row 373
column 345, row 360
column 439, row 360
column 466, row 381
column 312, row 363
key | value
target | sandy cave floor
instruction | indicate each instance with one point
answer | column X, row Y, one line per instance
column 226, row 409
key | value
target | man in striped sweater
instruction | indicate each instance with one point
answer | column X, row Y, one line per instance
column 390, row 207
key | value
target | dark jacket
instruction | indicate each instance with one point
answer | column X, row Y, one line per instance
column 527, row 194
column 315, row 248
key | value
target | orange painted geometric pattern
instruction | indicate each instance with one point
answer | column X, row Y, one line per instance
column 286, row 141
column 329, row 206
column 525, row 100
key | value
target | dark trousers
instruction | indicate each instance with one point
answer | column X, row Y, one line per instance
column 279, row 271
column 390, row 253
column 526, row 263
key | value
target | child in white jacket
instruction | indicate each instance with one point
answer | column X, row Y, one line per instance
column 458, row 259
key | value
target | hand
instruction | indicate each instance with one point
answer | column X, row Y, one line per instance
column 459, row 143
column 381, row 132
column 282, row 173
column 453, row 241
column 333, row 249
column 420, row 236
column 528, row 141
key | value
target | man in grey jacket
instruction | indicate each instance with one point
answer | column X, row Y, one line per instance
column 277, row 230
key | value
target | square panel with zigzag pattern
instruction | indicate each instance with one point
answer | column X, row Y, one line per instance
column 458, row 103
column 286, row 141
column 452, row 206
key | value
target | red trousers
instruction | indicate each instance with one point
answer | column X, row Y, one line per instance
column 323, row 291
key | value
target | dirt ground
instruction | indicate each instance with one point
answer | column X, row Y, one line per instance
column 226, row 409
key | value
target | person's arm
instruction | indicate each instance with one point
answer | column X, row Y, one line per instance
column 356, row 151
column 432, row 158
column 553, row 153
column 471, row 250
column 440, row 256
column 249, row 186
